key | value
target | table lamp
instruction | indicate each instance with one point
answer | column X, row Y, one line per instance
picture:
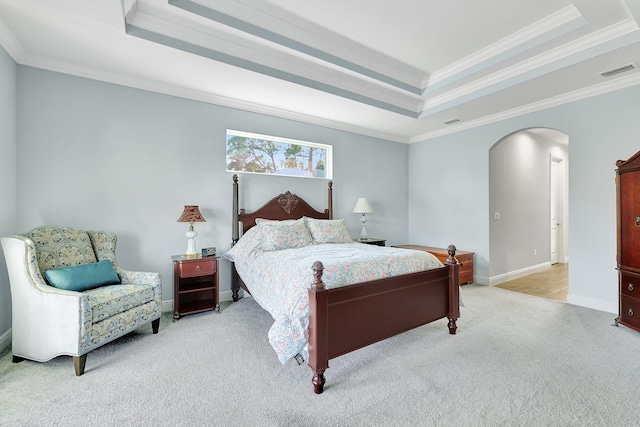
column 191, row 214
column 363, row 207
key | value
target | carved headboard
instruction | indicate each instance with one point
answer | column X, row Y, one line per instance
column 283, row 206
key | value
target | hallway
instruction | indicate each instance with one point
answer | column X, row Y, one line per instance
column 552, row 283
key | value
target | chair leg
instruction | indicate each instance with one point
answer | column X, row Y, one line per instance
column 78, row 363
column 155, row 325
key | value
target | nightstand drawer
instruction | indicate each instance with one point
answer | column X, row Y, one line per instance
column 630, row 285
column 200, row 267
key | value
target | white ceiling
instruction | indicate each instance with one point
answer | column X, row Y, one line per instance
column 396, row 70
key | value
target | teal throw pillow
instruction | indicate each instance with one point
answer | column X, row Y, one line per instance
column 83, row 277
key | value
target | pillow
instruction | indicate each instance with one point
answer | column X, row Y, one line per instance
column 249, row 242
column 263, row 220
column 279, row 235
column 83, row 277
column 328, row 231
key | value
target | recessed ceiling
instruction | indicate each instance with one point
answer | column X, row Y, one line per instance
column 405, row 71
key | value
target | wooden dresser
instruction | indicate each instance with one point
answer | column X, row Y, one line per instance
column 464, row 258
column 628, row 230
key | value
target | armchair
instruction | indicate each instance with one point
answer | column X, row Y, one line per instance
column 47, row 321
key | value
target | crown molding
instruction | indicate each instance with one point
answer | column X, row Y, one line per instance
column 567, row 54
column 196, row 95
column 278, row 26
column 181, row 92
column 560, row 22
column 555, row 101
column 7, row 40
column 253, row 55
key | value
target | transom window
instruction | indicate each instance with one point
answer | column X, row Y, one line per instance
column 254, row 153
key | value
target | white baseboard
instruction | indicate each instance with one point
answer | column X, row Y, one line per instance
column 5, row 340
column 167, row 306
column 481, row 280
column 607, row 306
column 501, row 278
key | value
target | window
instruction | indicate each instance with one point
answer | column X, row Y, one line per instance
column 253, row 153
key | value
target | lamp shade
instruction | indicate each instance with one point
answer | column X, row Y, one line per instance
column 362, row 206
column 191, row 214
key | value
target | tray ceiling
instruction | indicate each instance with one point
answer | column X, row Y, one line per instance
column 406, row 71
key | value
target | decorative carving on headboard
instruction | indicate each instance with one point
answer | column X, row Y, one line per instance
column 288, row 202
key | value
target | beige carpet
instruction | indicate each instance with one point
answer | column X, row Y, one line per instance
column 517, row 361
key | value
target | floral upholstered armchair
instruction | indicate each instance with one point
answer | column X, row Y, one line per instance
column 69, row 296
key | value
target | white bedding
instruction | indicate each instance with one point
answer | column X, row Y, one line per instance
column 279, row 278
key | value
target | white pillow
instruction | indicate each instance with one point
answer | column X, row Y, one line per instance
column 248, row 243
column 328, row 230
column 278, row 235
column 271, row 221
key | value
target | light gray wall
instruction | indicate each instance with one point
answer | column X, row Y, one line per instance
column 519, row 191
column 449, row 187
column 8, row 83
column 100, row 156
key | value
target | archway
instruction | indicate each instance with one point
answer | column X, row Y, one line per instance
column 528, row 203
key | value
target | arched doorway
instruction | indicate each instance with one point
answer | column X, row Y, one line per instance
column 528, row 202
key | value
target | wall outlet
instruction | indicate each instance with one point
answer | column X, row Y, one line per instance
column 496, row 216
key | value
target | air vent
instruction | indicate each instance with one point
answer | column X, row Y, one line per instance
column 619, row 70
column 452, row 121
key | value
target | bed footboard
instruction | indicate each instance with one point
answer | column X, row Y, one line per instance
column 345, row 319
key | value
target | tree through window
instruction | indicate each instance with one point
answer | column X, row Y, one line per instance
column 253, row 153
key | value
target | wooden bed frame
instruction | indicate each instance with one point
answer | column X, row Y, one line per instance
column 348, row 318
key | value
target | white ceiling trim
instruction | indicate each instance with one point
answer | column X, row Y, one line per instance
column 107, row 76
column 255, row 56
column 319, row 71
column 563, row 21
column 252, row 52
column 21, row 57
column 531, row 68
column 555, row 101
column 275, row 26
column 10, row 43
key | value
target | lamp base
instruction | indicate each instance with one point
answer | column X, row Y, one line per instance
column 191, row 243
column 363, row 232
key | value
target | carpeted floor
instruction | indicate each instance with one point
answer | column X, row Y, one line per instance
column 517, row 360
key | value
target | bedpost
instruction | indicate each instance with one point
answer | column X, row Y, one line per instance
column 330, row 201
column 318, row 328
column 235, row 235
column 454, row 289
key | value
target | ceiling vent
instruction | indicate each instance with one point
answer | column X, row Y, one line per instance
column 618, row 70
column 452, row 121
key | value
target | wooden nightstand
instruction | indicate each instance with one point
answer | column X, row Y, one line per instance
column 371, row 241
column 195, row 285
column 464, row 258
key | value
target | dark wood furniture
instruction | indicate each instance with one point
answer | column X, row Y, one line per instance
column 195, row 285
column 347, row 318
column 628, row 230
column 371, row 241
column 465, row 259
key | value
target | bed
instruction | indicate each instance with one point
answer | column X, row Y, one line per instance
column 332, row 295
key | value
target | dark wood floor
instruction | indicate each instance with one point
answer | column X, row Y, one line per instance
column 552, row 283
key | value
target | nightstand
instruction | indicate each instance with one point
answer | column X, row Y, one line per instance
column 195, row 285
column 371, row 241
